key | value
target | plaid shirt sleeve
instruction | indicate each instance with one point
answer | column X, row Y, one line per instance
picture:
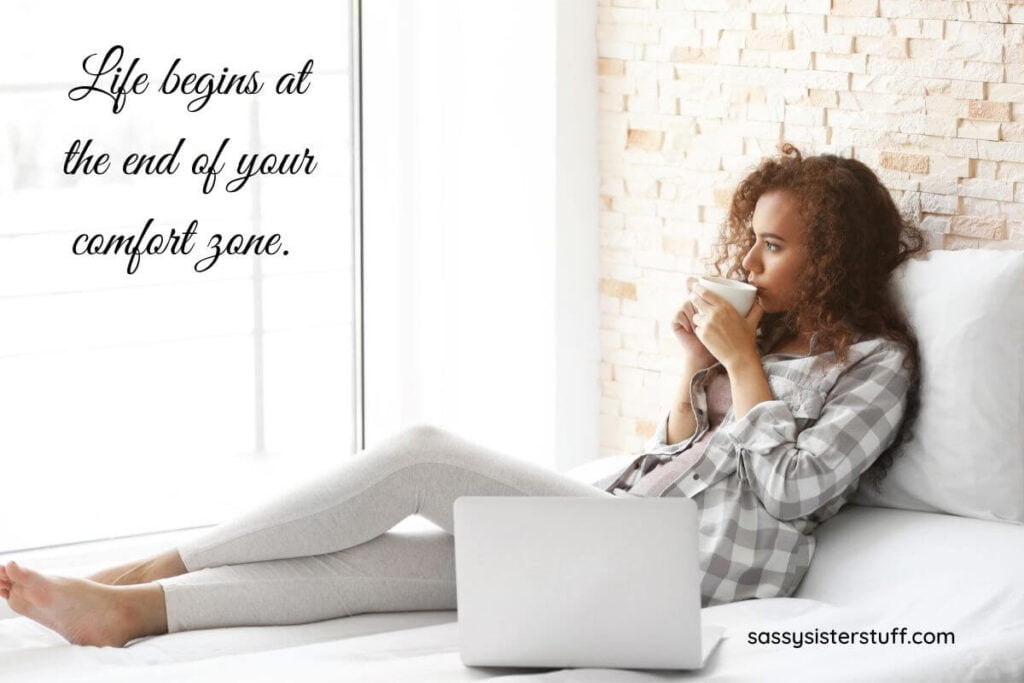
column 658, row 443
column 795, row 472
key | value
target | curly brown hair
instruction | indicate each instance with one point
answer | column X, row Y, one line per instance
column 855, row 237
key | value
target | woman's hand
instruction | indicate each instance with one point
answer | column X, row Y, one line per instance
column 728, row 336
column 697, row 355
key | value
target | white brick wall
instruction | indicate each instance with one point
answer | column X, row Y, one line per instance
column 693, row 93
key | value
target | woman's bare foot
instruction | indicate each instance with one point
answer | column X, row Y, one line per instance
column 162, row 566
column 84, row 612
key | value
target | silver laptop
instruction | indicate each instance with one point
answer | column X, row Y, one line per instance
column 579, row 582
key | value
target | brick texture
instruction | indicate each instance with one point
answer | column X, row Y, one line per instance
column 693, row 93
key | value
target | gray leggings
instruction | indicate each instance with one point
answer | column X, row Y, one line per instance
column 324, row 551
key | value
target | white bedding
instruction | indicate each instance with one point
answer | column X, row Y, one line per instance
column 874, row 568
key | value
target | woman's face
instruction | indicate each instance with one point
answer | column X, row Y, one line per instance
column 779, row 254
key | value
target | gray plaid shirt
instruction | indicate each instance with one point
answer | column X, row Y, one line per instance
column 765, row 481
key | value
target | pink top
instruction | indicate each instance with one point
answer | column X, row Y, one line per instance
column 664, row 474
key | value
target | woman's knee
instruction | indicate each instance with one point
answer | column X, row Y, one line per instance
column 423, row 441
column 423, row 432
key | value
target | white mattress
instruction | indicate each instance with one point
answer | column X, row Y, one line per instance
column 874, row 569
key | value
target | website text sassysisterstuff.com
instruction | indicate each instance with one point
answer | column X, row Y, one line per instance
column 899, row 635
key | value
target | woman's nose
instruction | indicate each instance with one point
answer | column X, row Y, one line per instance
column 749, row 261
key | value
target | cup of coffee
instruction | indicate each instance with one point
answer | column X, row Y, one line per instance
column 739, row 294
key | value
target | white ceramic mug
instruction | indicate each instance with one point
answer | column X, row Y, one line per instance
column 739, row 294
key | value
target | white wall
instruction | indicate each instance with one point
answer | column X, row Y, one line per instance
column 480, row 213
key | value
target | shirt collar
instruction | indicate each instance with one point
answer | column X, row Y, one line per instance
column 780, row 331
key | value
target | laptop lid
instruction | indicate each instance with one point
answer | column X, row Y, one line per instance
column 578, row 582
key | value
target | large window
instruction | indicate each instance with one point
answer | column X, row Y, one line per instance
column 169, row 398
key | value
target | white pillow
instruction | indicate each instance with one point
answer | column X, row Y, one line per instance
column 967, row 454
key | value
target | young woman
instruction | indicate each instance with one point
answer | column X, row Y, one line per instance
column 780, row 414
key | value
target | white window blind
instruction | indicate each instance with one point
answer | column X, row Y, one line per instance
column 480, row 208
